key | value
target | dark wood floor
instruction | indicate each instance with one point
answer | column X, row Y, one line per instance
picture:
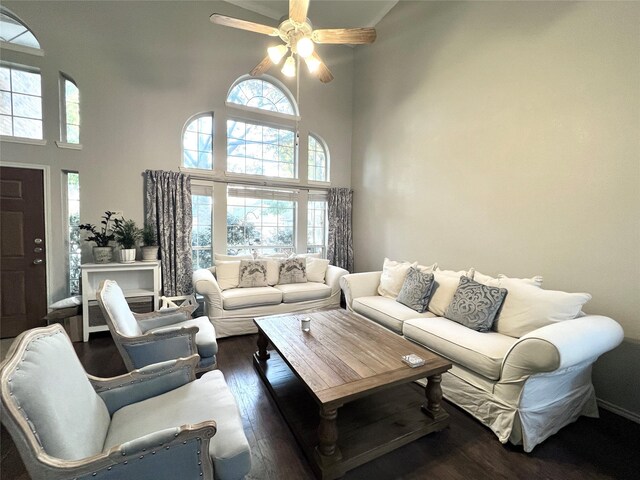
column 605, row 448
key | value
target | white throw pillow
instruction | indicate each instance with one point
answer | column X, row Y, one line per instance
column 527, row 308
column 392, row 278
column 67, row 302
column 497, row 282
column 305, row 255
column 535, row 281
column 445, row 286
column 316, row 269
column 228, row 274
column 231, row 258
column 427, row 268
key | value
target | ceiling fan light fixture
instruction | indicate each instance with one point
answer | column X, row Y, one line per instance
column 312, row 64
column 277, row 53
column 289, row 67
column 304, row 47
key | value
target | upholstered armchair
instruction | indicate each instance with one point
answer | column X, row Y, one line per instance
column 156, row 423
column 144, row 339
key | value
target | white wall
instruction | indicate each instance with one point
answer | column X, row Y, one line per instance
column 143, row 68
column 505, row 136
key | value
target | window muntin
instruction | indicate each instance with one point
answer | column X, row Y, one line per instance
column 197, row 143
column 202, row 229
column 73, row 231
column 317, row 225
column 13, row 31
column 318, row 160
column 260, row 220
column 262, row 95
column 20, row 102
column 255, row 149
column 71, row 111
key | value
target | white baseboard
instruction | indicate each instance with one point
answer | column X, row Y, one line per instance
column 634, row 417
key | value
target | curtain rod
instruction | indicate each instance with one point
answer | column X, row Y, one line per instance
column 257, row 183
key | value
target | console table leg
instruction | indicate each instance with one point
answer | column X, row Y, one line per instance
column 433, row 392
column 328, row 432
column 263, row 341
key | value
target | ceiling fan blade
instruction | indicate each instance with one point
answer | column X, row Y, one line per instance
column 323, row 73
column 243, row 24
column 262, row 67
column 352, row 36
column 298, row 10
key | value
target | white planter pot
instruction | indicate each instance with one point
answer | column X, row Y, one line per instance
column 127, row 255
column 102, row 254
column 150, row 254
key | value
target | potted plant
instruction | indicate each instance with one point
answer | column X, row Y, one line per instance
column 150, row 244
column 126, row 235
column 102, row 252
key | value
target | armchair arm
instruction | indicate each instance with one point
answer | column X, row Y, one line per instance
column 146, row 382
column 158, row 346
column 162, row 318
column 561, row 345
column 356, row 285
column 206, row 285
column 181, row 452
column 333, row 276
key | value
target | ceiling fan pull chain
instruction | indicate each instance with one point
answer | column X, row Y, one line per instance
column 298, row 102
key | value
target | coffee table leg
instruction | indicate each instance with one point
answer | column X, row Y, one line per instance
column 263, row 341
column 433, row 392
column 327, row 432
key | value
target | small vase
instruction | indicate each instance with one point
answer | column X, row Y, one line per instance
column 102, row 254
column 150, row 253
column 127, row 255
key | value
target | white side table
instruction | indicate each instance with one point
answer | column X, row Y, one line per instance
column 139, row 279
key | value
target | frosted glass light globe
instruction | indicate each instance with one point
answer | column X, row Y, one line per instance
column 304, row 47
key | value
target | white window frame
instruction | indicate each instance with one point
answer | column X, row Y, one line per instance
column 190, row 120
column 26, row 140
column 317, row 196
column 324, row 146
column 276, row 83
column 64, row 143
column 67, row 229
column 17, row 47
column 205, row 189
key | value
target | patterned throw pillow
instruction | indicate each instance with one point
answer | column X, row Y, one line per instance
column 293, row 270
column 253, row 273
column 475, row 305
column 416, row 290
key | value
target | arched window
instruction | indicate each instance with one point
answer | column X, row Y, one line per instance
column 197, row 142
column 13, row 32
column 261, row 95
column 69, row 110
column 318, row 160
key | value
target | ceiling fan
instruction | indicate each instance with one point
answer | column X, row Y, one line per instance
column 299, row 38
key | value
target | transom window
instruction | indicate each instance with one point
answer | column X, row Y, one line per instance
column 262, row 95
column 13, row 31
column 20, row 102
column 318, row 160
column 261, row 220
column 70, row 111
column 197, row 143
column 260, row 150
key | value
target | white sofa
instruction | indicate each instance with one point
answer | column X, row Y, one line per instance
column 524, row 389
column 232, row 310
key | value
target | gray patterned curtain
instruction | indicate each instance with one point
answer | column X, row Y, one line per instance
column 168, row 207
column 340, row 243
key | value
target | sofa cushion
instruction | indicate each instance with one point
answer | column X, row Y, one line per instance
column 416, row 290
column 527, row 308
column 208, row 398
column 316, row 269
column 386, row 311
column 480, row 352
column 475, row 305
column 392, row 277
column 228, row 274
column 250, row 297
column 252, row 273
column 293, row 270
column 205, row 338
column 446, row 283
column 303, row 292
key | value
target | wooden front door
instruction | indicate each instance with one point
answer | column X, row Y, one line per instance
column 23, row 284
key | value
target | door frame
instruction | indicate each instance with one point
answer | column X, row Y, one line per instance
column 46, row 179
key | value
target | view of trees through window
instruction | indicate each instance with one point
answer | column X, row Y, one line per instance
column 202, row 231
column 317, row 160
column 197, row 143
column 260, row 94
column 73, row 231
column 317, row 227
column 20, row 103
column 72, row 111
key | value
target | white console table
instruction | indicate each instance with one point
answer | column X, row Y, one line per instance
column 139, row 279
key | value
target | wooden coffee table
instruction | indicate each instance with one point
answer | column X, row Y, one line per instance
column 349, row 363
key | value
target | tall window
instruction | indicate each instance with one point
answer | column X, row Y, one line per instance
column 73, row 232
column 197, row 143
column 20, row 102
column 14, row 32
column 261, row 220
column 317, row 225
column 262, row 95
column 202, row 230
column 260, row 150
column 318, row 160
column 70, row 111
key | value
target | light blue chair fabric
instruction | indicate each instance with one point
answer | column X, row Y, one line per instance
column 144, row 339
column 155, row 423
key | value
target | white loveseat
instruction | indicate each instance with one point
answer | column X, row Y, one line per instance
column 232, row 310
column 525, row 387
